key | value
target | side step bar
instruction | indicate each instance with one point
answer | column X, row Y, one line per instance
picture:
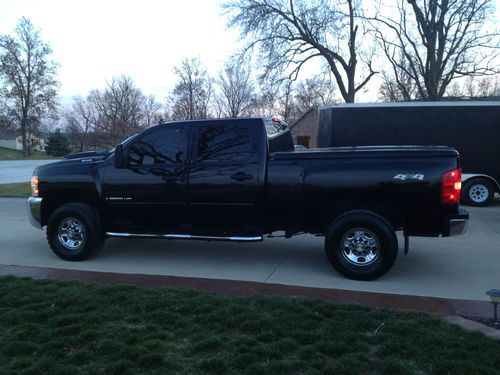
column 185, row 237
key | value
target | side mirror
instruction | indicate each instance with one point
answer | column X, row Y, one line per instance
column 120, row 157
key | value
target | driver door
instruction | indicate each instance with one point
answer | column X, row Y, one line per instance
column 149, row 196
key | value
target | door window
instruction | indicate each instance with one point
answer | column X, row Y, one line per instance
column 223, row 143
column 166, row 145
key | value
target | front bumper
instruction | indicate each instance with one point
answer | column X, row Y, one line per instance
column 457, row 224
column 34, row 208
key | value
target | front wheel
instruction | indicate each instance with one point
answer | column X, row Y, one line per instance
column 361, row 245
column 74, row 232
column 478, row 192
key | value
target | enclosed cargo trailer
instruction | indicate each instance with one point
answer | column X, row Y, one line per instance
column 473, row 128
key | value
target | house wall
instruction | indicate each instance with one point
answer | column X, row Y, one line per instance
column 37, row 144
column 8, row 143
column 40, row 144
column 306, row 126
column 19, row 143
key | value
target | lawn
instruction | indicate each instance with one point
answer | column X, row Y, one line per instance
column 9, row 154
column 17, row 190
column 71, row 328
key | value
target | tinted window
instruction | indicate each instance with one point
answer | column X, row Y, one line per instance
column 223, row 143
column 162, row 146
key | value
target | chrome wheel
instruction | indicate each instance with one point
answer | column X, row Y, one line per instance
column 360, row 247
column 71, row 233
column 478, row 193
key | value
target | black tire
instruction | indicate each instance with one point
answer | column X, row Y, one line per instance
column 74, row 232
column 478, row 192
column 364, row 229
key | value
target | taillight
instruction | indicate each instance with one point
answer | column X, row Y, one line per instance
column 451, row 185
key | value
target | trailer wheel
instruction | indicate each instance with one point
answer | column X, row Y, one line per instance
column 478, row 192
column 361, row 245
column 74, row 232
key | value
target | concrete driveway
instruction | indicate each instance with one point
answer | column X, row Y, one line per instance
column 462, row 267
column 12, row 171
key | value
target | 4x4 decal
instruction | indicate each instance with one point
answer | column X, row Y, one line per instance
column 409, row 177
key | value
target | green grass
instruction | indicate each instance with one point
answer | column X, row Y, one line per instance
column 49, row 327
column 9, row 154
column 17, row 190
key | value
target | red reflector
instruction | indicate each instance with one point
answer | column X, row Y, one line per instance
column 451, row 185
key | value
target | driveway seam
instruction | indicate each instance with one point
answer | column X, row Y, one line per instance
column 284, row 258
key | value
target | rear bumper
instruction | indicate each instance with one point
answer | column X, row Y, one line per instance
column 457, row 224
column 34, row 208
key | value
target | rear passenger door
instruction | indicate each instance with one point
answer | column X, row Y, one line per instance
column 225, row 196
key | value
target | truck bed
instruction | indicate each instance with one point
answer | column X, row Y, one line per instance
column 378, row 178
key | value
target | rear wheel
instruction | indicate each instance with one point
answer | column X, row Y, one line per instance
column 74, row 232
column 478, row 192
column 361, row 245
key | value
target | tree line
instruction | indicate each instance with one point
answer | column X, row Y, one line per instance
column 105, row 117
column 418, row 49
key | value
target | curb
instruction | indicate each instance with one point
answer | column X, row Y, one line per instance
column 432, row 305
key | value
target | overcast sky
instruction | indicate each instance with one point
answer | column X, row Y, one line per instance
column 94, row 41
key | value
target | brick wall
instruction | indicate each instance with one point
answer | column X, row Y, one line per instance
column 306, row 126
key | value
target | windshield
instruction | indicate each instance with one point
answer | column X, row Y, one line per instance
column 124, row 142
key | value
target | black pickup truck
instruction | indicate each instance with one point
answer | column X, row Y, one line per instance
column 240, row 179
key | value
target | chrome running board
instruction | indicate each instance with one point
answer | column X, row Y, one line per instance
column 185, row 237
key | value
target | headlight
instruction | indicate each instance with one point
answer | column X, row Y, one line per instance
column 34, row 186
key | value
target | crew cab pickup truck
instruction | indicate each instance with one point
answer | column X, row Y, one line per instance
column 241, row 179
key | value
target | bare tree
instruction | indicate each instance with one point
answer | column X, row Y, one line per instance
column 470, row 87
column 5, row 120
column 289, row 34
column 81, row 121
column 235, row 91
column 312, row 92
column 267, row 103
column 190, row 98
column 488, row 86
column 397, row 86
column 119, row 110
column 455, row 90
column 433, row 42
column 152, row 111
column 289, row 100
column 106, row 117
column 482, row 88
column 29, row 78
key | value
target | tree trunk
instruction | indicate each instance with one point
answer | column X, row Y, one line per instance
column 24, row 138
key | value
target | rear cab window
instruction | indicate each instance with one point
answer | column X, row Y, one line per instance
column 223, row 143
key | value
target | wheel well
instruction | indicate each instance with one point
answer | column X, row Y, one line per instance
column 391, row 215
column 484, row 177
column 50, row 204
column 364, row 212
